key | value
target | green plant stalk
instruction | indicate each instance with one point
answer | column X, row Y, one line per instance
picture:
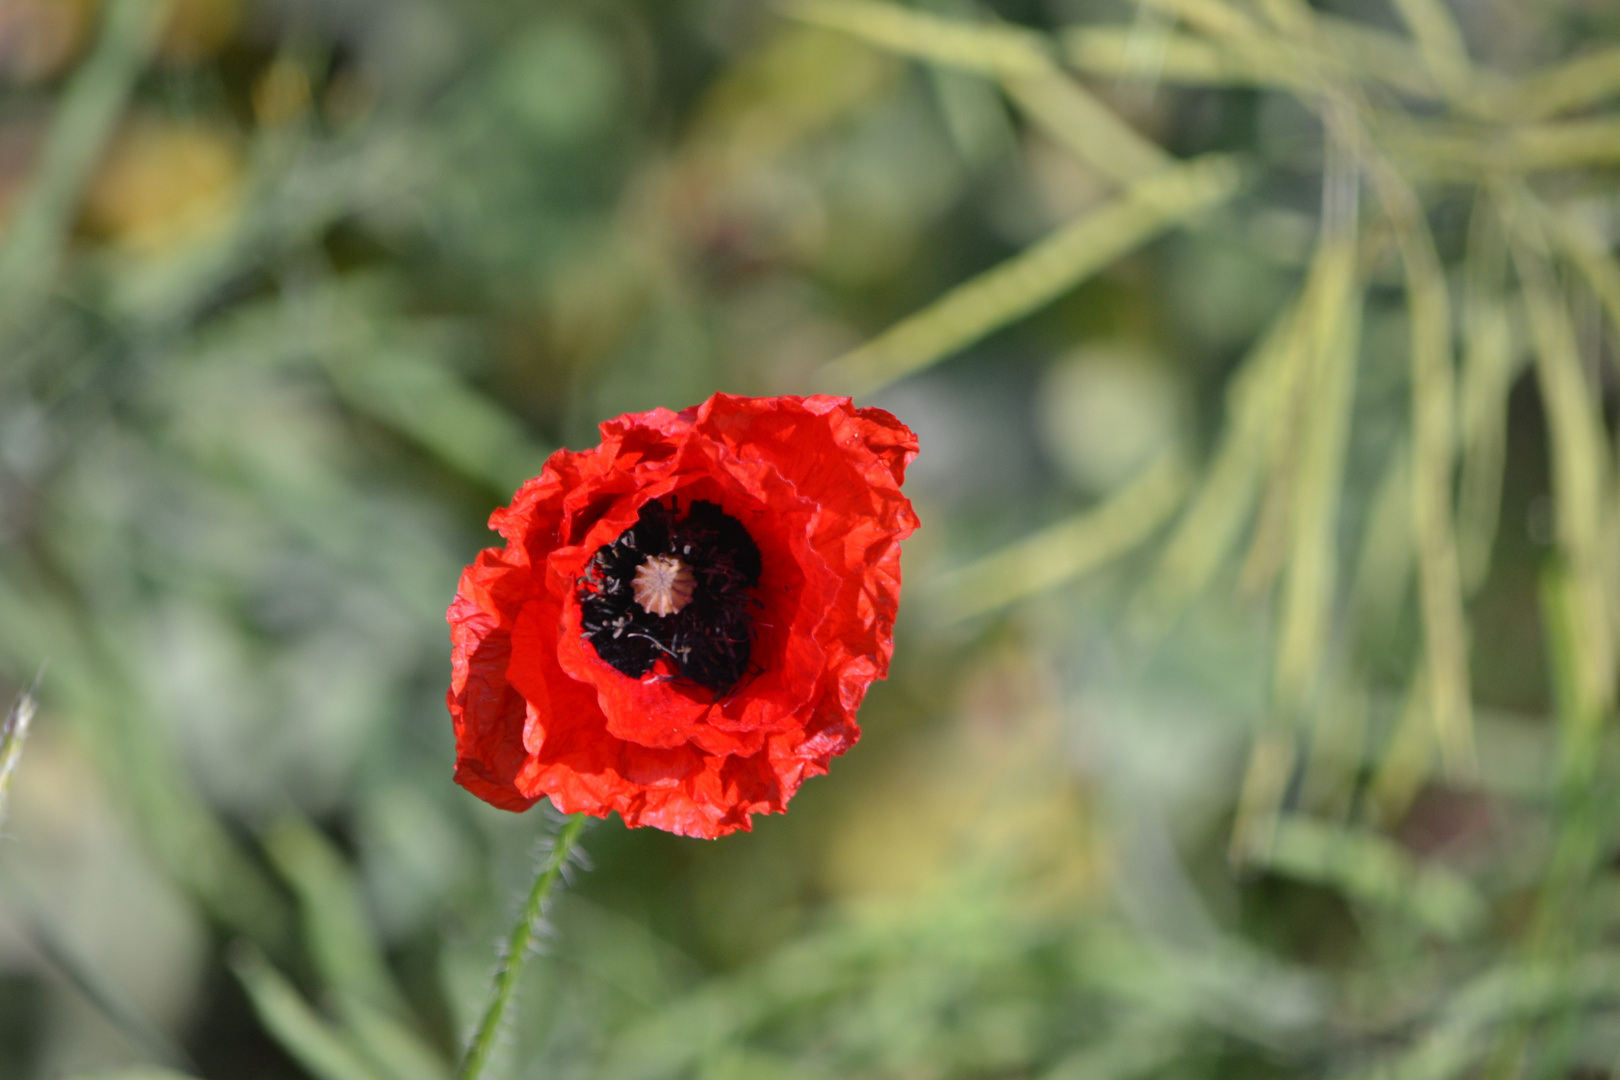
column 517, row 949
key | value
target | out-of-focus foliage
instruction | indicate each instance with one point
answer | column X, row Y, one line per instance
column 1253, row 701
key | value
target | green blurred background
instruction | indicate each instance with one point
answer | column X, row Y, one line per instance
column 1251, row 713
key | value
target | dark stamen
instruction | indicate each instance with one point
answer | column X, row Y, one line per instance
column 709, row 638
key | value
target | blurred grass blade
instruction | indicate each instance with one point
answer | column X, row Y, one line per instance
column 1217, row 18
column 417, row 396
column 1273, row 762
column 337, row 930
column 1490, row 366
column 1579, row 713
column 1330, row 324
column 1434, row 452
column 1208, row 530
column 130, row 1072
column 1463, row 152
column 1568, row 145
column 1371, row 869
column 339, row 936
column 1567, row 920
column 113, row 1005
column 1339, row 47
column 1288, row 388
column 1021, row 59
column 1337, row 748
column 976, row 117
column 308, row 1039
column 1593, row 261
column 388, row 1042
column 1439, row 42
column 1293, row 17
column 1038, row 275
column 1439, row 576
column 13, row 733
column 1579, row 449
column 1574, row 84
column 1060, row 553
column 1182, row 60
column 38, row 226
column 992, row 48
column 1378, row 55
column 1085, row 126
column 1404, row 764
column 1378, row 586
column 410, row 390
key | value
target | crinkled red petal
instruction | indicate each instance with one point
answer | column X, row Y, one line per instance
column 537, row 713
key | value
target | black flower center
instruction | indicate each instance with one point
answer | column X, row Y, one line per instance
column 676, row 587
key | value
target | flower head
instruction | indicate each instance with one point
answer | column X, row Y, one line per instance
column 685, row 618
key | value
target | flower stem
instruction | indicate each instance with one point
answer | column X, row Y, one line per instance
column 517, row 949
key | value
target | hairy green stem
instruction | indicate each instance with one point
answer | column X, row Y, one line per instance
column 517, row 949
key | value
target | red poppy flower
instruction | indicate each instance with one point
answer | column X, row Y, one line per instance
column 685, row 618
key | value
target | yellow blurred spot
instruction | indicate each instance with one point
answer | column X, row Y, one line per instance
column 164, row 184
column 39, row 37
column 196, row 30
column 993, row 798
column 281, row 94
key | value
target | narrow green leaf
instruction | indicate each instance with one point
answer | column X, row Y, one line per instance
column 337, row 929
column 1065, row 551
column 312, row 1041
column 1273, row 763
column 1336, row 48
column 991, row 48
column 1459, row 152
column 1378, row 585
column 1036, row 276
column 1566, row 87
column 1287, row 392
column 1086, row 127
column 1434, row 450
column 1491, row 363
column 1178, row 58
column 1410, row 749
column 1370, row 53
column 419, row 397
column 1329, row 332
column 1593, row 261
column 1579, row 458
column 1217, row 18
column 1208, row 530
column 1439, row 42
column 388, row 1042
